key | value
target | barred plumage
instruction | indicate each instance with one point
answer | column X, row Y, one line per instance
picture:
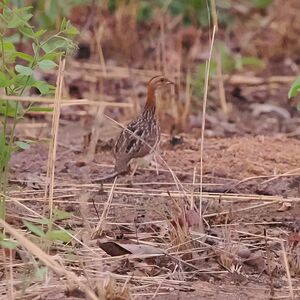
column 142, row 135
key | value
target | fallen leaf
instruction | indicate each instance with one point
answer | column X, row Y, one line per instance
column 117, row 249
column 112, row 248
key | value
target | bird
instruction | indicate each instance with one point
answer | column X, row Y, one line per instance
column 140, row 138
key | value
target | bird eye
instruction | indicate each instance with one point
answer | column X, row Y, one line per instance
column 162, row 80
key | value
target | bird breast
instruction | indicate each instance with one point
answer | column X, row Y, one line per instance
column 139, row 138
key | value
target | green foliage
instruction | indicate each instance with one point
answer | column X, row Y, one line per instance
column 50, row 234
column 40, row 273
column 230, row 62
column 295, row 90
column 17, row 72
column 193, row 11
column 261, row 3
column 48, row 14
column 7, row 243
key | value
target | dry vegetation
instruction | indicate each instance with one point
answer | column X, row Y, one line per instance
column 217, row 216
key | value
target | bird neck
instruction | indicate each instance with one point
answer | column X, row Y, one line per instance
column 150, row 105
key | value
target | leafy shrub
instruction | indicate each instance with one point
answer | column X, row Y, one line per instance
column 230, row 63
column 17, row 73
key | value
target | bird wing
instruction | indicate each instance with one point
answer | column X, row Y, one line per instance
column 138, row 139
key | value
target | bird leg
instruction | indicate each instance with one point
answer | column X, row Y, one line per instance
column 133, row 171
column 156, row 164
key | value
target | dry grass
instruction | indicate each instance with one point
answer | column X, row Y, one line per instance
column 81, row 266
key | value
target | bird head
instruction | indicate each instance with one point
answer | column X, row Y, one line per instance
column 158, row 82
column 155, row 84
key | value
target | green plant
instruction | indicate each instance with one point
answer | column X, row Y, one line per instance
column 229, row 62
column 7, row 243
column 295, row 90
column 261, row 3
column 44, row 229
column 17, row 74
column 48, row 14
column 193, row 11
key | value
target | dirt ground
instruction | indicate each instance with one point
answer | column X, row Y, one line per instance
column 250, row 179
column 141, row 237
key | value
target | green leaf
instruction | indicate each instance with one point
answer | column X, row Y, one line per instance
column 59, row 235
column 71, row 30
column 55, row 43
column 24, row 56
column 44, row 87
column 25, row 71
column 61, row 214
column 52, row 55
column 39, row 33
column 252, row 61
column 4, row 82
column 22, row 145
column 40, row 109
column 40, row 273
column 8, row 48
column 10, row 108
column 27, row 31
column 17, row 17
column 63, row 24
column 261, row 3
column 9, row 52
column 8, row 244
column 34, row 229
column 47, row 64
column 13, row 21
column 42, row 221
column 295, row 88
column 20, row 80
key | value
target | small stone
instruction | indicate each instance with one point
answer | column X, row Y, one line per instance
column 244, row 252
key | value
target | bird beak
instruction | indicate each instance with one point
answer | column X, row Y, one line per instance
column 171, row 82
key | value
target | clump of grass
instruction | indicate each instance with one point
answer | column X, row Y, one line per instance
column 110, row 289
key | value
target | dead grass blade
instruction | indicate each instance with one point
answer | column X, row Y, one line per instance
column 54, row 135
column 106, row 101
column 287, row 268
column 95, row 133
column 105, row 211
column 47, row 260
column 207, row 67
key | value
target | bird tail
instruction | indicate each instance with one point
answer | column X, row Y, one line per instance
column 104, row 178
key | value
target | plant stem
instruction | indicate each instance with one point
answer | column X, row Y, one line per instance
column 3, row 171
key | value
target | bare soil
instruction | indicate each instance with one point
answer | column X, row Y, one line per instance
column 247, row 178
column 247, row 245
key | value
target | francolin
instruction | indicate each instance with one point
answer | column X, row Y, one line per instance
column 139, row 139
